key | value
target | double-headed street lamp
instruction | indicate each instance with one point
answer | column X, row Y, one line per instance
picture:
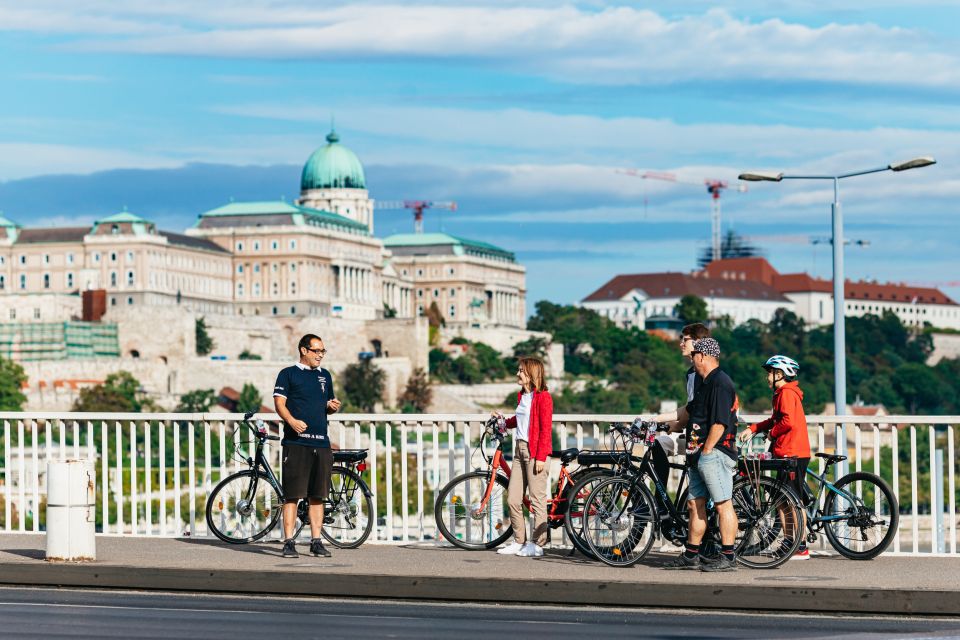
column 839, row 319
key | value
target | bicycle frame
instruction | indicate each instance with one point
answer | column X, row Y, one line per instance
column 499, row 465
column 816, row 519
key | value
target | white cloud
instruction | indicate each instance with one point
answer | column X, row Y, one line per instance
column 20, row 160
column 617, row 45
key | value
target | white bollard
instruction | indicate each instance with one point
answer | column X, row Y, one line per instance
column 71, row 511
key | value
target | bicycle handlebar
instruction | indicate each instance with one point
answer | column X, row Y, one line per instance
column 260, row 430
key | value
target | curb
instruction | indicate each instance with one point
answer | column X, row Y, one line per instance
column 555, row 592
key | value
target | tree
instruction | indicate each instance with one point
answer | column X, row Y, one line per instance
column 534, row 347
column 249, row 400
column 246, row 355
column 363, row 384
column 197, row 401
column 12, row 379
column 418, row 394
column 691, row 309
column 205, row 343
column 120, row 392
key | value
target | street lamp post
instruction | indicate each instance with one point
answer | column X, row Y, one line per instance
column 839, row 314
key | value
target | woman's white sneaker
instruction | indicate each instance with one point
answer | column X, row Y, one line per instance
column 511, row 549
column 530, row 550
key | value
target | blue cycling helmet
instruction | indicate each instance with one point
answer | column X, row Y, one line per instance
column 789, row 366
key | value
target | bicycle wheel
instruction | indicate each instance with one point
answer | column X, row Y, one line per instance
column 861, row 516
column 348, row 512
column 770, row 522
column 462, row 521
column 243, row 508
column 576, row 496
column 619, row 521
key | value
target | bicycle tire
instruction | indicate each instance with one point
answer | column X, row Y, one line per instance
column 576, row 497
column 360, row 492
column 761, row 537
column 636, row 514
column 833, row 530
column 461, row 513
column 222, row 506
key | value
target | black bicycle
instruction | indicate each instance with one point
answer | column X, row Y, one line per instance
column 622, row 520
column 247, row 505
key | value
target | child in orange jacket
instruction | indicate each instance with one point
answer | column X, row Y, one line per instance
column 787, row 427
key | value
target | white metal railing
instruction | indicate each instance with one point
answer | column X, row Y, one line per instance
column 154, row 471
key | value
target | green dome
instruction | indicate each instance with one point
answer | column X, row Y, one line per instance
column 332, row 167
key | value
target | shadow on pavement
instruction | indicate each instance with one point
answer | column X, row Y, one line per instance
column 33, row 554
column 258, row 548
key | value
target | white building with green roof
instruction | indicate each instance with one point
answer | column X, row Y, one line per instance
column 471, row 282
column 314, row 257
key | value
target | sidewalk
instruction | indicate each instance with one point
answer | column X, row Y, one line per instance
column 889, row 585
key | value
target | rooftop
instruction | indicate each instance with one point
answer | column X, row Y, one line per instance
column 418, row 243
column 677, row 285
column 275, row 213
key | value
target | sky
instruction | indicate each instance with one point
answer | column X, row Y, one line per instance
column 521, row 112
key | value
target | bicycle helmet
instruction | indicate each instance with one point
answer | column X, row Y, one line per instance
column 789, row 366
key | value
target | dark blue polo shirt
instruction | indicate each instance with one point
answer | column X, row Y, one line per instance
column 307, row 392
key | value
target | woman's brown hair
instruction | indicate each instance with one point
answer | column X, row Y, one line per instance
column 534, row 368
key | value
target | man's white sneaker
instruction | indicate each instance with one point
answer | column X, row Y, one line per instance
column 511, row 549
column 530, row 550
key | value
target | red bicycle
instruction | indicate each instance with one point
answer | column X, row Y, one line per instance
column 472, row 510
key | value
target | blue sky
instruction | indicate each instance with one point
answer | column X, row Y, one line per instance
column 521, row 112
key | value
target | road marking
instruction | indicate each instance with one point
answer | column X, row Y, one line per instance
column 290, row 613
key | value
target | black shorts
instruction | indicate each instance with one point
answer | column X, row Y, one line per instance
column 306, row 472
column 798, row 480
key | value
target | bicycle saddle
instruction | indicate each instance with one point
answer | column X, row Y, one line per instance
column 567, row 455
column 350, row 455
column 831, row 458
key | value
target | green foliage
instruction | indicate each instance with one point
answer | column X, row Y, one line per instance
column 119, row 393
column 196, row 401
column 246, row 355
column 205, row 343
column 885, row 362
column 388, row 311
column 249, row 400
column 418, row 394
column 478, row 363
column 692, row 309
column 534, row 347
column 12, row 379
column 363, row 385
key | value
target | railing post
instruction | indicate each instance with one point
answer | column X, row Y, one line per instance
column 895, row 445
column 913, row 487
column 952, row 501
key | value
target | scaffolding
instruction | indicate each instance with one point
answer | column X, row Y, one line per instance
column 74, row 340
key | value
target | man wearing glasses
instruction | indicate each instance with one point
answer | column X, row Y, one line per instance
column 303, row 396
column 677, row 420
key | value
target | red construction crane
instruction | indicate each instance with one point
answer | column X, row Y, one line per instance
column 714, row 187
column 418, row 207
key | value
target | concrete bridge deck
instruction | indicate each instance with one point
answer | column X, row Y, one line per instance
column 427, row 571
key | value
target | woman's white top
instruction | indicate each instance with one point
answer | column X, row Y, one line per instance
column 523, row 417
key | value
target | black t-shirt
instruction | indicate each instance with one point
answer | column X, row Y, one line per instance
column 714, row 402
column 307, row 392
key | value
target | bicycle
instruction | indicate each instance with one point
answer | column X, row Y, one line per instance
column 471, row 510
column 618, row 457
column 246, row 506
column 622, row 520
column 853, row 527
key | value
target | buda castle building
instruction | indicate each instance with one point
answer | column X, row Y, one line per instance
column 315, row 257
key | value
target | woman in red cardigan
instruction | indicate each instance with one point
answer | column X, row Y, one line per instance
column 534, row 442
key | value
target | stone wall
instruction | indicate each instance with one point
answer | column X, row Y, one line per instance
column 54, row 386
column 945, row 345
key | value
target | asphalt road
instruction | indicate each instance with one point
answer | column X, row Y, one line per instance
column 55, row 613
